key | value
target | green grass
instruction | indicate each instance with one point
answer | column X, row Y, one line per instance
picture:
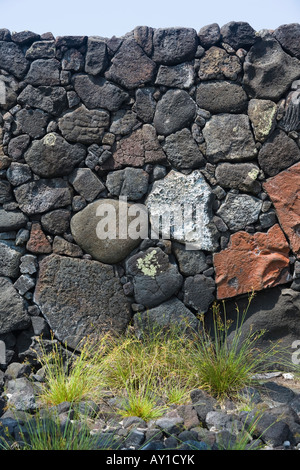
column 160, row 368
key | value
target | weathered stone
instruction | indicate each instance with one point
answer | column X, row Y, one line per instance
column 238, row 34
column 12, row 59
column 174, row 111
column 96, row 92
column 229, row 137
column 96, row 59
column 10, row 255
column 239, row 210
column 102, row 229
column 268, row 70
column 141, row 147
column 221, row 97
column 56, row 222
column 18, row 173
column 41, row 50
column 217, row 64
column 199, row 292
column 70, row 41
column 53, row 156
column 172, row 199
column 53, row 100
column 38, row 242
column 11, row 220
column 13, row 315
column 5, row 192
column 43, row 195
column 174, row 45
column 176, row 76
column 262, row 114
column 288, row 35
column 282, row 190
column 29, row 264
column 63, row 247
column 144, row 37
column 241, row 176
column 170, row 313
column 123, row 122
column 84, row 126
column 182, row 151
column 131, row 67
column 190, row 262
column 86, row 183
column 278, row 153
column 209, row 35
column 17, row 146
column 130, row 182
column 290, row 120
column 72, row 60
column 44, row 72
column 24, row 37
column 252, row 262
column 145, row 104
column 24, row 284
column 10, row 88
column 32, row 122
column 154, row 278
column 89, row 299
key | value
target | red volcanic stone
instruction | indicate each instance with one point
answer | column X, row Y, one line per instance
column 141, row 147
column 252, row 262
column 283, row 190
column 38, row 242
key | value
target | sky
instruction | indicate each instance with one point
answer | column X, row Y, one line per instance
column 109, row 18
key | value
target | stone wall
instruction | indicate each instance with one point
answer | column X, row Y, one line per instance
column 159, row 120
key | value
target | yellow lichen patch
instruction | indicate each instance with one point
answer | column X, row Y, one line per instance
column 148, row 265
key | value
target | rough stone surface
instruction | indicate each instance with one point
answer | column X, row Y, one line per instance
column 53, row 100
column 179, row 192
column 252, row 262
column 170, row 313
column 241, row 176
column 190, row 262
column 268, row 70
column 221, row 97
column 89, row 299
column 141, row 147
column 96, row 59
column 239, row 210
column 43, row 195
column 278, row 153
column 217, row 64
column 44, row 72
column 154, row 278
column 86, row 183
column 56, row 222
column 84, row 126
column 238, row 34
column 13, row 315
column 96, row 92
column 32, row 122
column 262, row 114
column 282, row 190
column 182, row 151
column 199, row 292
column 174, row 45
column 10, row 255
column 38, row 242
column 12, row 220
column 53, row 156
column 12, row 59
column 114, row 248
column 290, row 120
column 288, row 35
column 18, row 173
column 131, row 67
column 176, row 76
column 130, row 182
column 209, row 35
column 229, row 137
column 174, row 111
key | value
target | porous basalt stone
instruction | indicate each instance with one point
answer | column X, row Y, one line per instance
column 173, row 112
column 84, row 126
column 13, row 315
column 239, row 210
column 89, row 299
column 252, row 262
column 174, row 45
column 278, row 153
column 221, row 97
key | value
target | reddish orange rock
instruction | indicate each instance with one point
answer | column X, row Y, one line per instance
column 38, row 242
column 252, row 262
column 283, row 190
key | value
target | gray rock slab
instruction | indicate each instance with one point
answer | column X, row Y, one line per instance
column 240, row 210
column 13, row 315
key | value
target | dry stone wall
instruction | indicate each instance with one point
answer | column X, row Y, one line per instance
column 127, row 136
